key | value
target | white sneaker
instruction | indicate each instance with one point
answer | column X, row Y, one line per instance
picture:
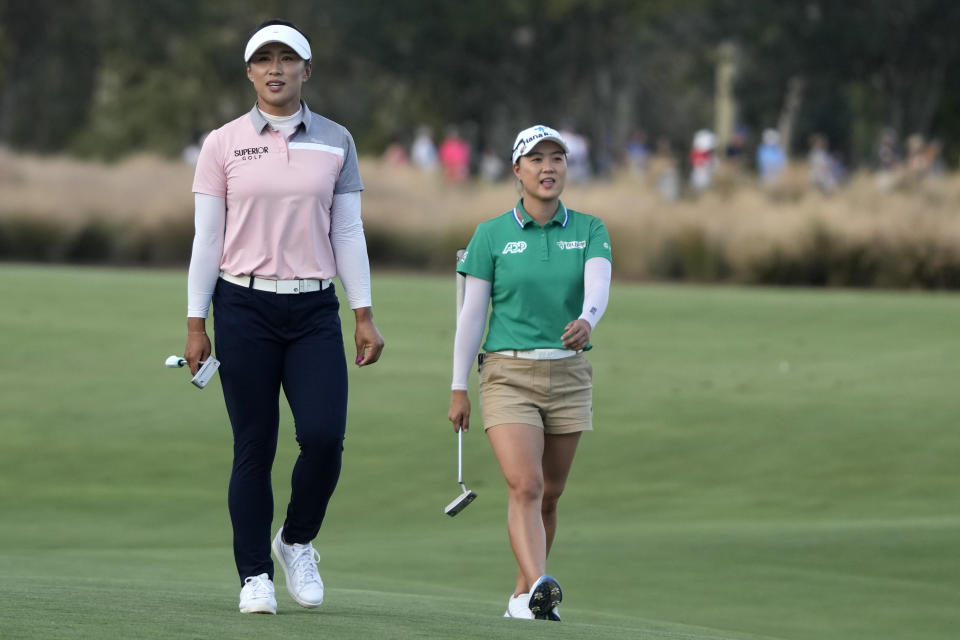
column 518, row 607
column 299, row 562
column 257, row 595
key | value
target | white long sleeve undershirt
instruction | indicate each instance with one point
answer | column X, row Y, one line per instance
column 476, row 300
column 596, row 289
column 209, row 219
column 470, row 324
column 350, row 248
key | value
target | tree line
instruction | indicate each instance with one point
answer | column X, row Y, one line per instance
column 103, row 78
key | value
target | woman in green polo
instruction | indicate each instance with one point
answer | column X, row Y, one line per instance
column 546, row 270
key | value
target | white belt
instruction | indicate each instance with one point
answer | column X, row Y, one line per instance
column 538, row 354
column 276, row 286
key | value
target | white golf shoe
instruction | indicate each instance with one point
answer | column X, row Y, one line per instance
column 519, row 607
column 299, row 562
column 257, row 595
column 544, row 597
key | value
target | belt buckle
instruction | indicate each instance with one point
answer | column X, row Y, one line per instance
column 288, row 286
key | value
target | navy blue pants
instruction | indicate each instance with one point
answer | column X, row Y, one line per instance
column 266, row 341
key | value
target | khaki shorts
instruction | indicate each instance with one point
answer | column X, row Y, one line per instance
column 555, row 395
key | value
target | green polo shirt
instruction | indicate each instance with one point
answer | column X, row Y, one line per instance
column 535, row 274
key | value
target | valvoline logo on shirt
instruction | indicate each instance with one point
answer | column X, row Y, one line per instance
column 515, row 247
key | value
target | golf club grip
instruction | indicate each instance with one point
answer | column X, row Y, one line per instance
column 460, row 455
column 461, row 283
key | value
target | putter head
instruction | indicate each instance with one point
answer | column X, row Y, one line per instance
column 460, row 502
column 207, row 368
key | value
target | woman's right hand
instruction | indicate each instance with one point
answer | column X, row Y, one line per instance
column 459, row 411
column 198, row 344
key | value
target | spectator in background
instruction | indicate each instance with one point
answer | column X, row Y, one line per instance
column 887, row 156
column 935, row 164
column 664, row 171
column 916, row 154
column 702, row 160
column 887, row 160
column 491, row 165
column 578, row 158
column 191, row 153
column 923, row 159
column 638, row 154
column 734, row 154
column 771, row 159
column 823, row 166
column 423, row 153
column 731, row 162
column 395, row 155
column 603, row 160
column 454, row 155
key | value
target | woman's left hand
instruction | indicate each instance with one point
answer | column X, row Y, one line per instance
column 576, row 335
column 367, row 338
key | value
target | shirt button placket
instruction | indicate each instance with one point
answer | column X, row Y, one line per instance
column 284, row 155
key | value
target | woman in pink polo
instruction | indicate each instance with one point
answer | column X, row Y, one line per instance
column 277, row 214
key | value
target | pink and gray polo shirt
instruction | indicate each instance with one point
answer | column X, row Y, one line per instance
column 278, row 193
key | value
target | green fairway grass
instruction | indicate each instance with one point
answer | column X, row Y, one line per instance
column 765, row 463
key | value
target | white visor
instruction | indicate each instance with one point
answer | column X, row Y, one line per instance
column 278, row 33
column 531, row 137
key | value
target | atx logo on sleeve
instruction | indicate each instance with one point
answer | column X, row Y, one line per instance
column 515, row 247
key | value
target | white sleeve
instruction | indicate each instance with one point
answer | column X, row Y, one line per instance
column 350, row 248
column 470, row 324
column 596, row 289
column 210, row 218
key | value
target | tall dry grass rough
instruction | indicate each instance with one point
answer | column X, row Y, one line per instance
column 139, row 211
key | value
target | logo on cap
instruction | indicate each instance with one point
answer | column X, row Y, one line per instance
column 528, row 138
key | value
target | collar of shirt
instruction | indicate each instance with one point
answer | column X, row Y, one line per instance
column 260, row 123
column 523, row 218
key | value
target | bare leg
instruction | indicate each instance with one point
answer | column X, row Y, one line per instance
column 519, row 449
column 558, row 454
column 557, row 459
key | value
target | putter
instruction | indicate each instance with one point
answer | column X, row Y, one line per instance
column 460, row 502
column 467, row 496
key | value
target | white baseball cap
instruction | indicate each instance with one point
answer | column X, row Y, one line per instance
column 704, row 140
column 278, row 33
column 529, row 138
